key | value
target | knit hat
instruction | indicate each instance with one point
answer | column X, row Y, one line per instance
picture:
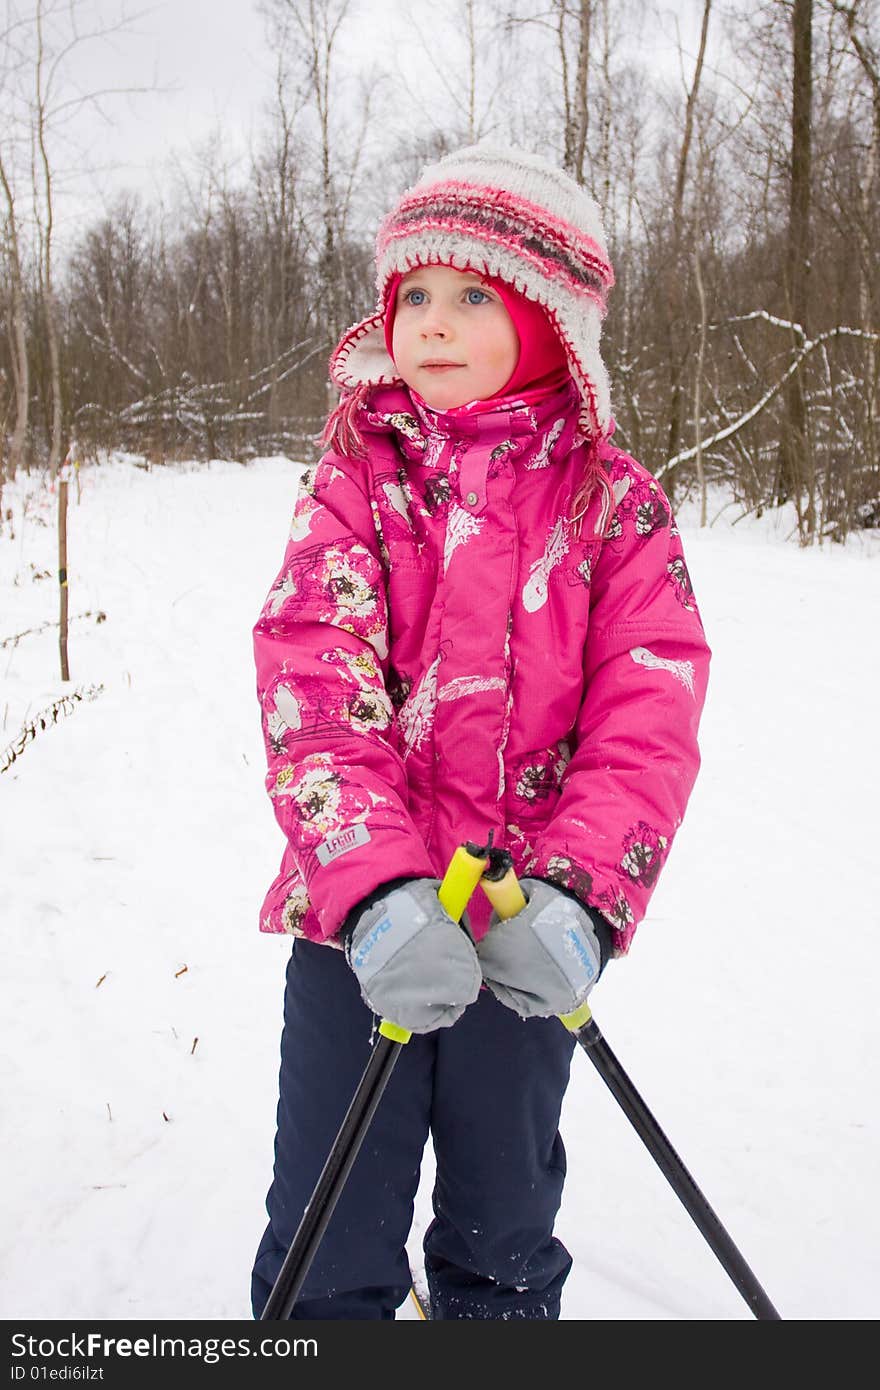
column 505, row 213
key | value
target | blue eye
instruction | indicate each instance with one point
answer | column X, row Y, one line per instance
column 476, row 291
column 408, row 296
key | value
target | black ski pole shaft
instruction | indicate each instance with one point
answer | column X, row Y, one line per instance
column 672, row 1168
column 503, row 891
column 459, row 882
column 332, row 1180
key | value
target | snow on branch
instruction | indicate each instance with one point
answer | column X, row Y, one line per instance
column 111, row 350
column 59, row 709
column 764, row 314
column 14, row 640
column 197, row 407
column 754, row 411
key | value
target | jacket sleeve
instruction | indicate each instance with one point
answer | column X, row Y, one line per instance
column 336, row 778
column 636, row 757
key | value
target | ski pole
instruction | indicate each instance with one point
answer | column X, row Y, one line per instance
column 459, row 882
column 502, row 889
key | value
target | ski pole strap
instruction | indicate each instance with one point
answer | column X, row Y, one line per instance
column 461, row 878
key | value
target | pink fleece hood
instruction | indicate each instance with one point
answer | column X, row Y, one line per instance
column 542, row 363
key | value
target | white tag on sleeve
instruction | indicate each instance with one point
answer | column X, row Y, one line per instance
column 342, row 842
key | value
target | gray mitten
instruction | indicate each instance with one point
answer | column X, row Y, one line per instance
column 546, row 959
column 416, row 967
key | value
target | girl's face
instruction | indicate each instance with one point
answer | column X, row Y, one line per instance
column 452, row 316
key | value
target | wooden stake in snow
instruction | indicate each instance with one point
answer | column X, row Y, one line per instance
column 63, row 478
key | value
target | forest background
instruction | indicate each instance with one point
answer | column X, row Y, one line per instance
column 188, row 199
column 194, row 318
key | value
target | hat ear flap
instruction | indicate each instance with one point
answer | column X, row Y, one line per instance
column 362, row 357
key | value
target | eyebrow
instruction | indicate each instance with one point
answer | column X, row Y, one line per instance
column 472, row 275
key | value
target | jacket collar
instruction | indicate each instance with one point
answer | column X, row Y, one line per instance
column 419, row 430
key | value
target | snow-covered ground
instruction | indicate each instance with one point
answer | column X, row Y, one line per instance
column 142, row 1008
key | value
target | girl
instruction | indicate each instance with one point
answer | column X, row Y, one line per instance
column 483, row 622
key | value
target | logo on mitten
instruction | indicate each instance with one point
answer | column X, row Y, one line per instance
column 576, row 946
column 365, row 948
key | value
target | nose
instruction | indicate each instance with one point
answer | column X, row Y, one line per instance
column 434, row 323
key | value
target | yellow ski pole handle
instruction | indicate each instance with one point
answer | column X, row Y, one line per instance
column 504, row 893
column 501, row 887
column 463, row 873
column 466, row 868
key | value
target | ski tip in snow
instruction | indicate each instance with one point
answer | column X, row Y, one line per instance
column 419, row 1295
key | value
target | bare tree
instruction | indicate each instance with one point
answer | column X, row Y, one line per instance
column 576, row 87
column 45, row 66
column 677, row 269
column 309, row 30
column 13, row 253
column 43, row 97
column 466, row 98
column 699, row 221
column 206, row 329
column 797, row 475
column 866, row 46
column 275, row 181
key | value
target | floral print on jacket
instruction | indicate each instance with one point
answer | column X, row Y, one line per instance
column 444, row 653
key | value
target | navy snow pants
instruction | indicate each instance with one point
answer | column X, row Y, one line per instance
column 490, row 1092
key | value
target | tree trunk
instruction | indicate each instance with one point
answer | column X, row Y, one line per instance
column 321, row 29
column 576, row 102
column 46, row 233
column 62, row 572
column 701, row 349
column 18, row 338
column 795, row 463
column 677, row 332
column 866, row 52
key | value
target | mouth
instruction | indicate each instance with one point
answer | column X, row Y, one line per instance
column 439, row 365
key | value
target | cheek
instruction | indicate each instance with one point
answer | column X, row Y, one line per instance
column 505, row 345
column 400, row 338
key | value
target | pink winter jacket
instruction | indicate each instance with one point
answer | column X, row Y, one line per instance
column 442, row 655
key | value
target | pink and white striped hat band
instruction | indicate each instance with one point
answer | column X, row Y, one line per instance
column 505, row 213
